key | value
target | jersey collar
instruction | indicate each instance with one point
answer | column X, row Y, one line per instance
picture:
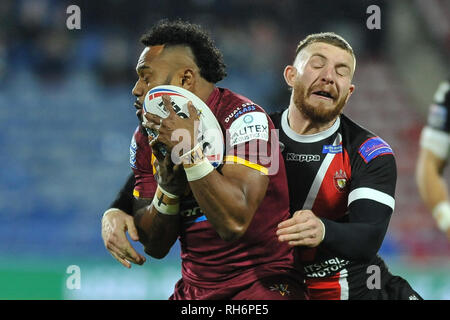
column 307, row 138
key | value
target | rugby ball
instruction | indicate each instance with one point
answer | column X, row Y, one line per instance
column 210, row 134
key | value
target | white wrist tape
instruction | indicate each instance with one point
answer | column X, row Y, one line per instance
column 199, row 170
column 441, row 213
column 165, row 202
column 167, row 193
column 190, row 152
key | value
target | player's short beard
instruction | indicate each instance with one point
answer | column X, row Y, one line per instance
column 316, row 114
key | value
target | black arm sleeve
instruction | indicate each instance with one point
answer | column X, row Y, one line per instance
column 361, row 237
column 124, row 199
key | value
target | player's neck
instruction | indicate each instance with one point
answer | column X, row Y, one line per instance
column 303, row 125
column 203, row 91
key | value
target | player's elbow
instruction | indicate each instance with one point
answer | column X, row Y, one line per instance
column 233, row 230
column 157, row 253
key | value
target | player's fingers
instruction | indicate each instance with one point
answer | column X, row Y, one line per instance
column 193, row 114
column 132, row 256
column 152, row 119
column 286, row 223
column 126, row 251
column 120, row 246
column 122, row 261
column 295, row 228
column 168, row 104
column 116, row 253
column 306, row 242
column 132, row 231
column 288, row 237
column 298, row 235
column 302, row 216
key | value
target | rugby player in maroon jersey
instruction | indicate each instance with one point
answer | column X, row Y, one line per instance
column 227, row 220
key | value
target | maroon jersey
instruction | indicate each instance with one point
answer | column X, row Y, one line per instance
column 207, row 260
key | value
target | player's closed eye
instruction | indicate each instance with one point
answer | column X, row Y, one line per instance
column 342, row 71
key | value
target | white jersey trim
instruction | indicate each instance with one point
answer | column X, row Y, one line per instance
column 343, row 283
column 307, row 138
column 436, row 141
column 371, row 194
column 315, row 187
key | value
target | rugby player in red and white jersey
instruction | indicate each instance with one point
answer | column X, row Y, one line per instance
column 433, row 158
column 225, row 219
column 341, row 179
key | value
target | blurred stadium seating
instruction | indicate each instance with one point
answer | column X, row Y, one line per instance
column 66, row 119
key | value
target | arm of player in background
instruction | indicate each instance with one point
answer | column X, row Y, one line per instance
column 433, row 189
column 431, row 184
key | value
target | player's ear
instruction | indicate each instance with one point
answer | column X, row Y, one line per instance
column 290, row 72
column 187, row 79
column 350, row 91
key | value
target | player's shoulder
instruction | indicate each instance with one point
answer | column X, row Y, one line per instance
column 233, row 106
column 363, row 143
column 139, row 134
column 276, row 118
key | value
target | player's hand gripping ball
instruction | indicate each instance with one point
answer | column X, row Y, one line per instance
column 210, row 135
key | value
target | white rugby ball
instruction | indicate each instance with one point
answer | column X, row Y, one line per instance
column 210, row 133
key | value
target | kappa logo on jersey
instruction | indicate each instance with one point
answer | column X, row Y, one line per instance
column 246, row 107
column 252, row 126
column 133, row 149
column 437, row 116
column 374, row 147
column 302, row 157
column 340, row 180
column 332, row 149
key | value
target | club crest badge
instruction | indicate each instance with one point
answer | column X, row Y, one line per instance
column 340, row 180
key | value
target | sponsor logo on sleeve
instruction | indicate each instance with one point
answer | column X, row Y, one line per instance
column 244, row 108
column 374, row 147
column 249, row 127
